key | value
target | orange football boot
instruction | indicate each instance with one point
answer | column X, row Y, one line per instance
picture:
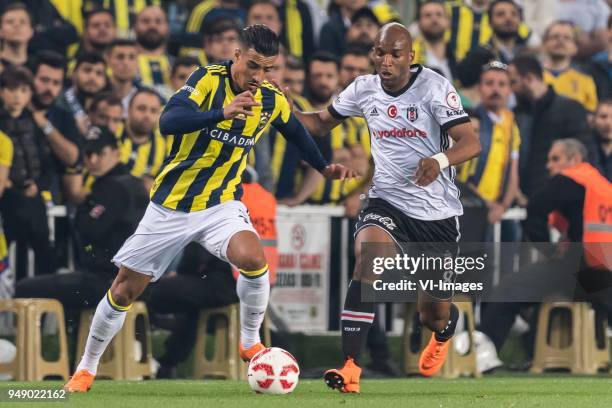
column 81, row 381
column 247, row 354
column 345, row 379
column 433, row 356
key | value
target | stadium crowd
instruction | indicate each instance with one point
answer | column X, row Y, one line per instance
column 83, row 83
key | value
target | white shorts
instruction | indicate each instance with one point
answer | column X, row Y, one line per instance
column 163, row 233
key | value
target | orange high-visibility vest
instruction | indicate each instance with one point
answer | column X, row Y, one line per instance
column 262, row 209
column 596, row 214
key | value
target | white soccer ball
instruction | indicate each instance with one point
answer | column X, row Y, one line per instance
column 273, row 371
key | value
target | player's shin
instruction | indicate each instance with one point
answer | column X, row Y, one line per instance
column 107, row 321
column 253, row 288
column 357, row 318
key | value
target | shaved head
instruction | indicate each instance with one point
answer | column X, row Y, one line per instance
column 392, row 55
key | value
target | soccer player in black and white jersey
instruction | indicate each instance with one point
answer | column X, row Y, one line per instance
column 411, row 111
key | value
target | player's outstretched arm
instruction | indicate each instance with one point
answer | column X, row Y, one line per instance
column 466, row 147
column 183, row 116
column 317, row 123
column 295, row 133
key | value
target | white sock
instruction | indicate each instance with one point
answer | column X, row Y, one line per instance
column 107, row 322
column 254, row 294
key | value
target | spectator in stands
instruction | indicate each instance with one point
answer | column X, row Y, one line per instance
column 107, row 217
column 181, row 69
column 99, row 31
column 203, row 16
column 354, row 62
column 106, row 110
column 430, row 47
column 538, row 15
column 88, row 78
column 152, row 33
column 560, row 46
column 564, row 274
column 494, row 174
column 602, row 130
column 264, row 12
column 23, row 207
column 543, row 116
column 16, row 32
column 363, row 29
column 333, row 33
column 124, row 12
column 473, row 25
column 295, row 76
column 142, row 147
column 591, row 17
column 505, row 42
column 300, row 39
column 51, row 31
column 121, row 56
column 601, row 68
column 6, row 160
column 220, row 41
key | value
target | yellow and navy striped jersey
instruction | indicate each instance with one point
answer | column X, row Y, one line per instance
column 500, row 141
column 575, row 85
column 143, row 159
column 154, row 70
column 124, row 11
column 205, row 167
column 468, row 29
column 351, row 132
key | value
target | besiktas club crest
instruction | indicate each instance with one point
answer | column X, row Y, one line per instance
column 413, row 113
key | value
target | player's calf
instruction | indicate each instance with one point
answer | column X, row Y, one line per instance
column 433, row 356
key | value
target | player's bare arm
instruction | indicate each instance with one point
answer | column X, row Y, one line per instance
column 466, row 147
column 318, row 123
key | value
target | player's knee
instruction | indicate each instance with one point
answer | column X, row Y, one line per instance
column 122, row 296
column 249, row 260
column 434, row 320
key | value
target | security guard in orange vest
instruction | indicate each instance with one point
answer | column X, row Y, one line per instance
column 577, row 200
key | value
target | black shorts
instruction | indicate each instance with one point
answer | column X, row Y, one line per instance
column 439, row 237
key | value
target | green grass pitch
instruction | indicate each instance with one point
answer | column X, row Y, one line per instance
column 490, row 392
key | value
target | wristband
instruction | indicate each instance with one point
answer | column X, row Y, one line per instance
column 48, row 129
column 442, row 160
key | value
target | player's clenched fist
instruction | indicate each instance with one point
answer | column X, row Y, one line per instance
column 338, row 172
column 428, row 171
column 241, row 105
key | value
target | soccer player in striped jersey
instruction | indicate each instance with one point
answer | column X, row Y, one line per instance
column 215, row 119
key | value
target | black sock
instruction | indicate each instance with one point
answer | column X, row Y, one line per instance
column 448, row 331
column 357, row 317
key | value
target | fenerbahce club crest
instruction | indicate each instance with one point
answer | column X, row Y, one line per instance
column 265, row 117
column 413, row 113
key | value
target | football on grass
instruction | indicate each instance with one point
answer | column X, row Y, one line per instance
column 273, row 371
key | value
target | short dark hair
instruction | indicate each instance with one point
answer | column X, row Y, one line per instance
column 426, row 2
column 256, row 2
column 88, row 15
column 147, row 91
column 222, row 25
column 527, row 64
column 90, row 57
column 357, row 50
column 186, row 61
column 294, row 63
column 496, row 2
column 50, row 58
column 16, row 76
column 260, row 38
column 121, row 42
column 109, row 97
column 17, row 6
column 365, row 12
column 323, row 56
